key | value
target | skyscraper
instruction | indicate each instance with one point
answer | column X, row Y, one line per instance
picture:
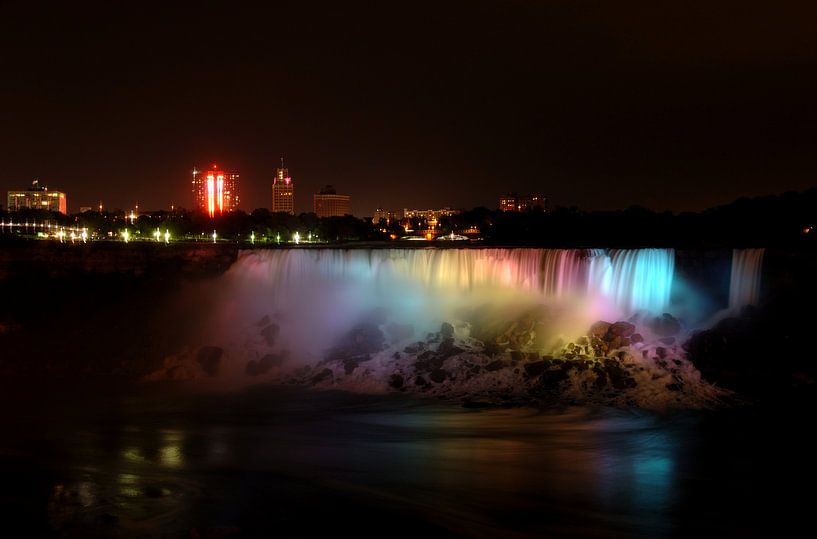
column 328, row 203
column 283, row 191
column 215, row 191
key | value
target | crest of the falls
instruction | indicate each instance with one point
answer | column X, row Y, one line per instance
column 631, row 280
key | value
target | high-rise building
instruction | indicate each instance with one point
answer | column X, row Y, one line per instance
column 36, row 197
column 514, row 202
column 215, row 191
column 328, row 203
column 283, row 191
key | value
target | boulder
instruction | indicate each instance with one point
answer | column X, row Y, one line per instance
column 620, row 329
column 321, row 376
column 396, row 381
column 665, row 325
column 536, row 368
column 438, row 375
column 447, row 348
column 446, row 330
column 496, row 365
column 599, row 329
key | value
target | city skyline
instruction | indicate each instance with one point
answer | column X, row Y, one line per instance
column 598, row 106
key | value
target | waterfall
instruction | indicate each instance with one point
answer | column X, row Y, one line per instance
column 744, row 283
column 642, row 279
column 631, row 280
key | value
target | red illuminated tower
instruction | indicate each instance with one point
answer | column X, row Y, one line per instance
column 215, row 191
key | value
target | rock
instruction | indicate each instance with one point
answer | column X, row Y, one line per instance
column 420, row 381
column 618, row 342
column 620, row 329
column 415, row 348
column 438, row 375
column 661, row 352
column 209, row 358
column 495, row 365
column 599, row 329
column 396, row 381
column 362, row 340
column 552, row 379
column 536, row 368
column 665, row 325
column 636, row 338
column 349, row 365
column 618, row 375
column 446, row 330
column 321, row 376
column 447, row 348
column 270, row 334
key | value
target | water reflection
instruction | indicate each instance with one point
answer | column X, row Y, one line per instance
column 270, row 460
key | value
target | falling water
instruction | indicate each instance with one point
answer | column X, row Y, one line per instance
column 744, row 284
column 362, row 318
column 631, row 280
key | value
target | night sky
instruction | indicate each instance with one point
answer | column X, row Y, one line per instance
column 600, row 104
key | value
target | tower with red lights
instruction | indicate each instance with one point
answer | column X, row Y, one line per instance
column 283, row 191
column 215, row 191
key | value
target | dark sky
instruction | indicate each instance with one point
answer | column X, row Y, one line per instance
column 600, row 104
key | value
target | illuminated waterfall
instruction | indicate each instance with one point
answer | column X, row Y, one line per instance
column 744, row 284
column 631, row 280
column 642, row 279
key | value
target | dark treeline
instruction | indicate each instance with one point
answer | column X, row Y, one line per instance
column 780, row 220
column 785, row 220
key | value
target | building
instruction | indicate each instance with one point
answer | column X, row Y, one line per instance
column 283, row 191
column 509, row 202
column 328, row 203
column 39, row 198
column 432, row 217
column 215, row 191
column 514, row 202
column 389, row 216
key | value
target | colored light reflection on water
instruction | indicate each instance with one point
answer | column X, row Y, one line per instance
column 271, row 459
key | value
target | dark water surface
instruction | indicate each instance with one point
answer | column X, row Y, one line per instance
column 165, row 460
